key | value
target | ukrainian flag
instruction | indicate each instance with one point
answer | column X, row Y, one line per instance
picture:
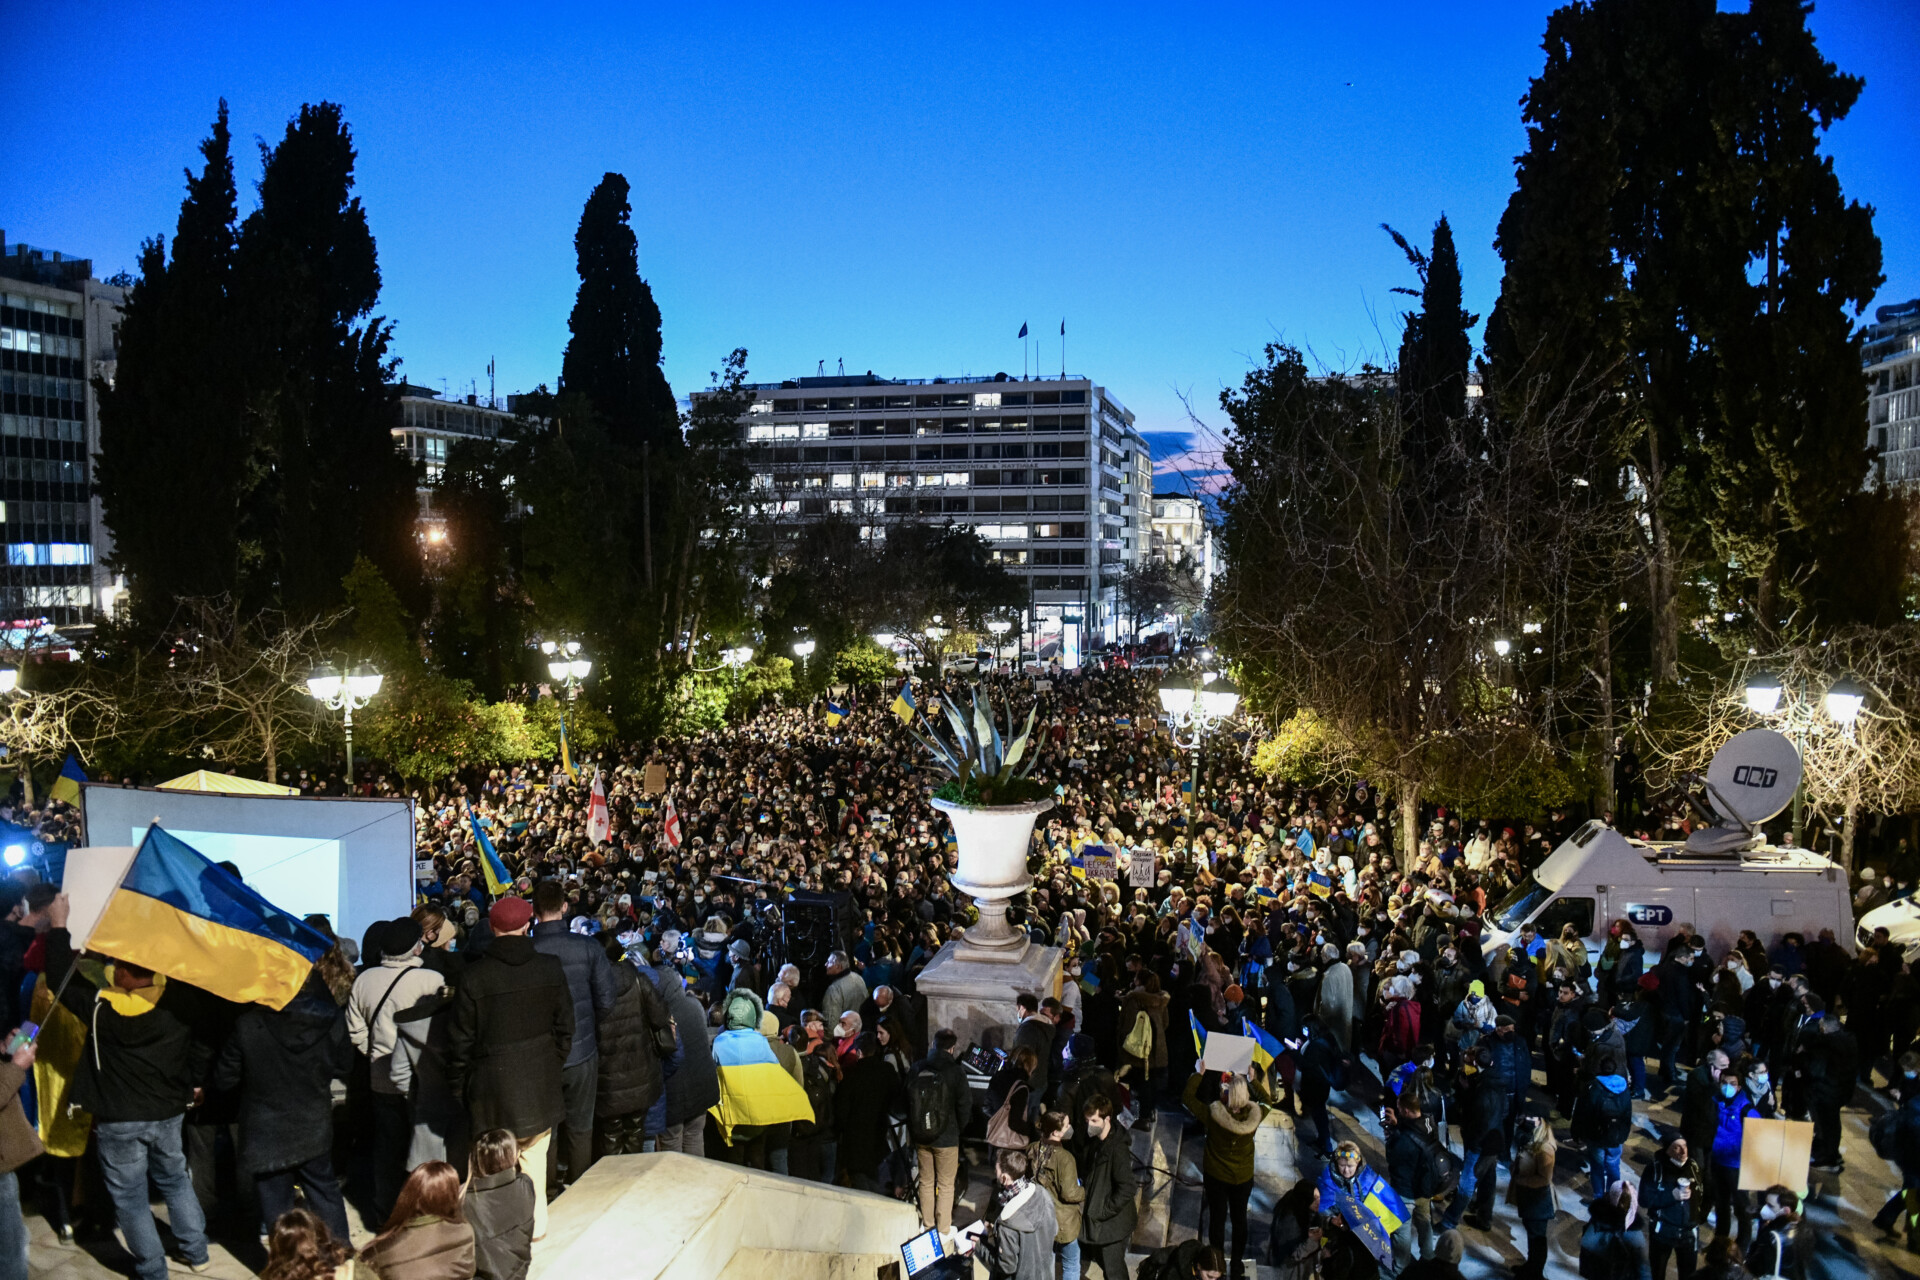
column 1265, row 1047
column 498, row 881
column 67, row 786
column 179, row 914
column 754, row 1088
column 1319, row 884
column 1199, row 1036
column 903, row 704
column 835, row 714
column 566, row 757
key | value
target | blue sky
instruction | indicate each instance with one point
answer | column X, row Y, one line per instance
column 897, row 187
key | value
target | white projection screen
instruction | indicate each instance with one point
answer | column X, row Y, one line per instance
column 348, row 859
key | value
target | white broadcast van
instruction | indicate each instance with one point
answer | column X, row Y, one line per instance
column 1724, row 878
column 1900, row 918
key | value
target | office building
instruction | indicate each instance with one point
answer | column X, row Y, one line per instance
column 1890, row 356
column 425, row 427
column 1052, row 472
column 1181, row 532
column 57, row 333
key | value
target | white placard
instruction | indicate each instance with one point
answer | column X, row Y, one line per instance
column 1227, row 1052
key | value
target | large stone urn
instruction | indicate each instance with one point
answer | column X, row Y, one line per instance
column 971, row 984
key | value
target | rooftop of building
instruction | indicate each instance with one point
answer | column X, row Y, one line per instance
column 43, row 266
column 872, row 379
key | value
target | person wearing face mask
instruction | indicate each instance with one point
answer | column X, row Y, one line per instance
column 1700, row 1103
column 1827, row 1066
column 1735, row 1104
column 1782, row 1246
column 1673, row 1191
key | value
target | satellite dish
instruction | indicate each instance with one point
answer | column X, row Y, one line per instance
column 1753, row 777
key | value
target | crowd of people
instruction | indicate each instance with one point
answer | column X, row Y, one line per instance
column 625, row 991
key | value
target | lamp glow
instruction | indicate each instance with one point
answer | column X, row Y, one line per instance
column 16, row 854
column 803, row 649
column 1845, row 697
column 325, row 682
column 363, row 682
column 1502, row 647
column 1763, row 693
column 1176, row 696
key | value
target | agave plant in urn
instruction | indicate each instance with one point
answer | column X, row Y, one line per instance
column 992, row 803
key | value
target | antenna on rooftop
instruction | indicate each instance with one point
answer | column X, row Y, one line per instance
column 822, row 369
column 843, row 366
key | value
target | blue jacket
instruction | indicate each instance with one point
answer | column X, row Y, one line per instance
column 589, row 982
column 1732, row 1117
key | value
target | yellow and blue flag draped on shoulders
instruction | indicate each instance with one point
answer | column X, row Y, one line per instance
column 1373, row 1210
column 179, row 914
column 1199, row 1036
column 499, row 882
column 835, row 714
column 1265, row 1047
column 754, row 1088
column 903, row 704
column 67, row 786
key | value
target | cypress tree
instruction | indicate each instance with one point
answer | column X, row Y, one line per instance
column 613, row 357
column 172, row 468
column 322, row 377
column 1435, row 348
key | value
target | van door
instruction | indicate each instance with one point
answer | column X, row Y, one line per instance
column 1654, row 911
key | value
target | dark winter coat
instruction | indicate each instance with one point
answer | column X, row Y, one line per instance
column 693, row 1084
column 1107, row 1173
column 589, row 981
column 630, row 1077
column 1659, row 1187
column 510, row 1033
column 862, row 1105
column 138, row 1066
column 499, row 1207
column 959, row 1096
column 284, row 1064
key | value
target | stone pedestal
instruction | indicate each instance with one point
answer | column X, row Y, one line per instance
column 974, row 996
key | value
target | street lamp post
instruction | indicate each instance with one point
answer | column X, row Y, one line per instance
column 345, row 694
column 1769, row 697
column 1192, row 711
column 999, row 627
column 566, row 665
column 803, row 650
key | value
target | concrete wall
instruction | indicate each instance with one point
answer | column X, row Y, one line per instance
column 673, row 1217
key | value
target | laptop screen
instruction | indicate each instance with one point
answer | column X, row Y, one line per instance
column 921, row 1252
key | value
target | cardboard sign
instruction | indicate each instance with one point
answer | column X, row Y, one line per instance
column 1144, row 871
column 1775, row 1153
column 654, row 781
column 423, row 872
column 1042, row 686
column 1101, row 866
column 1228, row 1052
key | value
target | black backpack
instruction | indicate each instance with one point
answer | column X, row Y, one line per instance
column 1612, row 1115
column 819, row 1086
column 929, row 1108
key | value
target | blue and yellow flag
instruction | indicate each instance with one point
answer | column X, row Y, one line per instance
column 903, row 704
column 754, row 1088
column 67, row 786
column 181, row 915
column 566, row 757
column 1199, row 1036
column 498, row 881
column 1319, row 884
column 835, row 714
column 1265, row 1047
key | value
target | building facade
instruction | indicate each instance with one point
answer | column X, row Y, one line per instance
column 425, row 427
column 1181, row 531
column 1890, row 356
column 1052, row 472
column 58, row 331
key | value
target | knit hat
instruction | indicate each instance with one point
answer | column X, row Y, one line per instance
column 399, row 936
column 1235, row 994
column 743, row 1010
column 509, row 914
column 1080, row 1047
column 1477, row 988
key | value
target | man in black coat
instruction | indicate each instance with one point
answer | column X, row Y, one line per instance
column 1106, row 1170
column 1827, row 1066
column 509, row 1033
column 1036, row 1030
column 678, row 1119
column 631, row 1077
column 284, row 1063
column 590, row 983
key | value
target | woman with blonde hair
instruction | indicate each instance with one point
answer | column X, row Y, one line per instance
column 1530, row 1190
column 1232, row 1118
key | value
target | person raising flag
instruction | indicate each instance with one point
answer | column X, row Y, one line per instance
column 599, row 825
column 670, row 830
column 903, row 703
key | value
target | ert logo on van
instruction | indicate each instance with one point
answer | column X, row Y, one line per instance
column 1651, row 913
column 1754, row 775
